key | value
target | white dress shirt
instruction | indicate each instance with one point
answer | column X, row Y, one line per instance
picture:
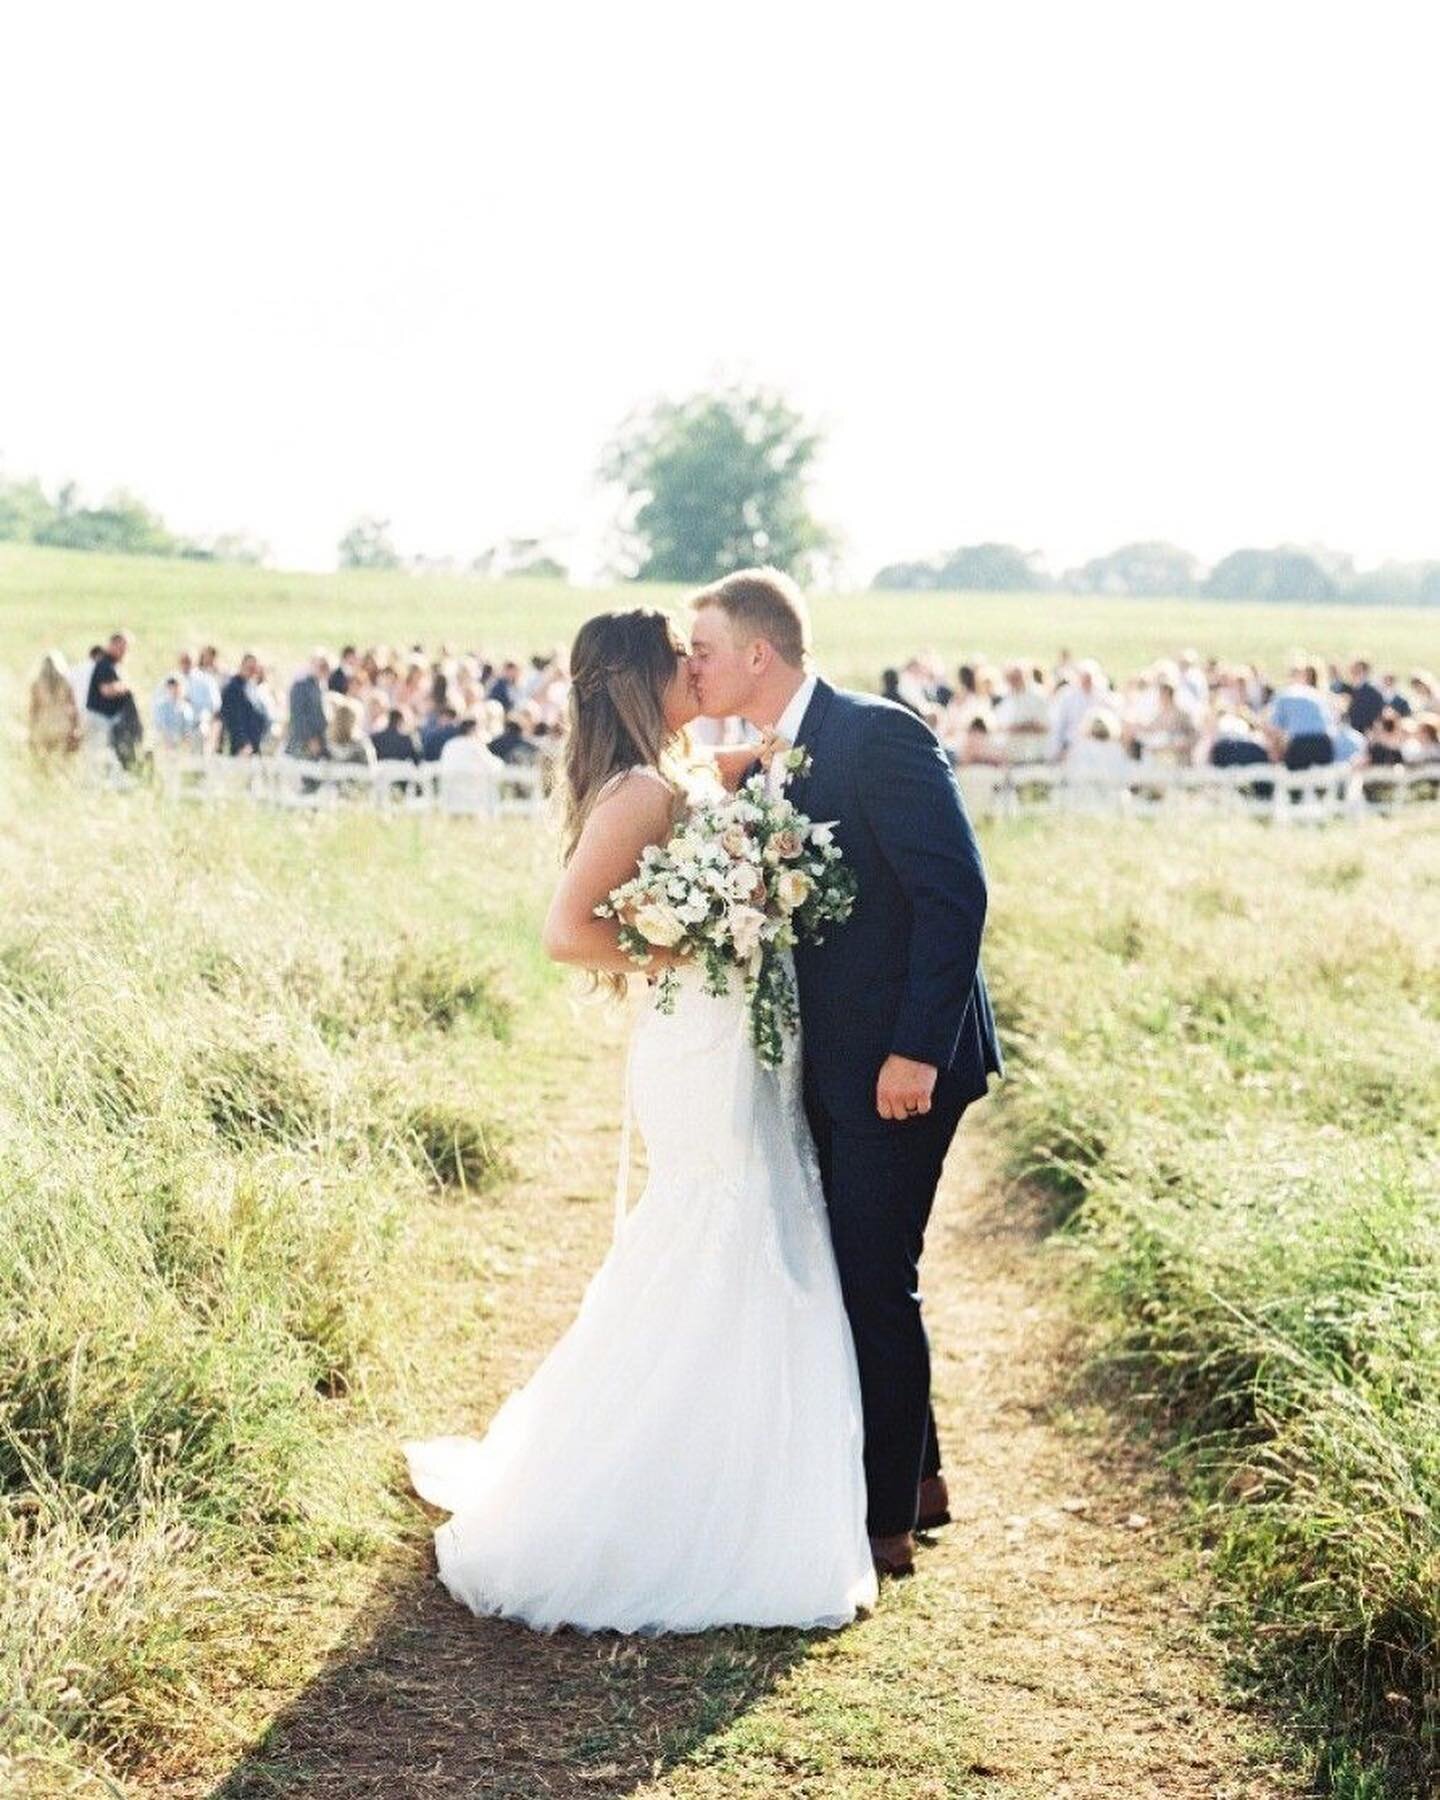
column 788, row 726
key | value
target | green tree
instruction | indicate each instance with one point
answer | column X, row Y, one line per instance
column 367, row 545
column 716, row 482
column 25, row 510
column 992, row 568
column 120, row 523
column 1147, row 568
column 1285, row 573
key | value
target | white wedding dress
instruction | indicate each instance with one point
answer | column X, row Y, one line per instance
column 688, row 1454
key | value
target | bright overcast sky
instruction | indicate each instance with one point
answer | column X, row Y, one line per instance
column 1061, row 274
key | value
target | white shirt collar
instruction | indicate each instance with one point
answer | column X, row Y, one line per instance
column 789, row 722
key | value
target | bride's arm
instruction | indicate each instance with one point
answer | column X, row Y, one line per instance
column 732, row 760
column 638, row 813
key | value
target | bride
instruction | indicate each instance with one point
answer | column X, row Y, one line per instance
column 689, row 1453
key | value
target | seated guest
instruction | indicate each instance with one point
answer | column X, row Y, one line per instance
column 506, row 686
column 242, row 723
column 344, row 741
column 1236, row 743
column 1022, row 717
column 980, row 745
column 1366, row 700
column 890, row 689
column 513, row 744
column 436, row 733
column 1425, row 744
column 1386, row 742
column 345, row 670
column 1099, row 754
column 467, row 770
column 175, row 723
column 1349, row 743
column 393, row 743
column 1299, row 726
column 1395, row 695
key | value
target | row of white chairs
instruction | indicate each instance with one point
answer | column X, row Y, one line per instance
column 513, row 790
column 517, row 790
column 1266, row 791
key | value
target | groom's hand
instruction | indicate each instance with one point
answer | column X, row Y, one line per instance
column 904, row 1088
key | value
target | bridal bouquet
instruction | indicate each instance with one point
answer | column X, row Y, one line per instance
column 742, row 879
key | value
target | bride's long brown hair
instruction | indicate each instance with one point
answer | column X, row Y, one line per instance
column 620, row 666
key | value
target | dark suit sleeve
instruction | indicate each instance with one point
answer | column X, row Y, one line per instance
column 911, row 802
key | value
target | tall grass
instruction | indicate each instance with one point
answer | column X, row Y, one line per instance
column 239, row 1057
column 1226, row 1071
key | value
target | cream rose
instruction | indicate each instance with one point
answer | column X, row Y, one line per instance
column 745, row 923
column 659, row 924
column 793, row 889
column 734, row 840
column 787, row 843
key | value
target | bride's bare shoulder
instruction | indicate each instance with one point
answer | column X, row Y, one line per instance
column 639, row 793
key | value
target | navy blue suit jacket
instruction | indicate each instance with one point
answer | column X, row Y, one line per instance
column 902, row 975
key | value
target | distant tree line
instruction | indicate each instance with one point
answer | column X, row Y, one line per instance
column 1164, row 571
column 120, row 525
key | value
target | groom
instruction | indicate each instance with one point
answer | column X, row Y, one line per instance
column 898, row 1033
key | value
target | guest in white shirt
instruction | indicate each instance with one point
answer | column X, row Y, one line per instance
column 469, row 774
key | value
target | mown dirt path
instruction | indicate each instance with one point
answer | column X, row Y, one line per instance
column 1048, row 1645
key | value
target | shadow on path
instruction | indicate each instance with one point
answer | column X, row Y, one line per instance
column 433, row 1701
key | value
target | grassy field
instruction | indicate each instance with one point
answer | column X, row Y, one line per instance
column 250, row 1063
column 241, row 1077
column 52, row 596
column 1226, row 1053
column 265, row 1082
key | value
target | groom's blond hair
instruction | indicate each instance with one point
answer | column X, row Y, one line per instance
column 766, row 602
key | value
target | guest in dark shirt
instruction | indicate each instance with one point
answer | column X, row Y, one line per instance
column 108, row 689
column 393, row 743
column 505, row 688
column 437, row 733
column 1366, row 701
column 514, row 744
column 340, row 675
column 307, row 731
column 890, row 690
column 242, row 722
column 109, row 695
column 1386, row 741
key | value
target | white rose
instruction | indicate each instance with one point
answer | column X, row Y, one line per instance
column 659, row 924
column 793, row 889
column 744, row 923
column 740, row 883
column 821, row 834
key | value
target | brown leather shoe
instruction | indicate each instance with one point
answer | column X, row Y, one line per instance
column 894, row 1555
column 934, row 1503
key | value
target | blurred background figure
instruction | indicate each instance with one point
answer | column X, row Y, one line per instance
column 305, row 736
column 54, row 715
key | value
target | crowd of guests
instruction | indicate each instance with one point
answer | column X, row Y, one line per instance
column 1184, row 710
column 361, row 707
column 473, row 711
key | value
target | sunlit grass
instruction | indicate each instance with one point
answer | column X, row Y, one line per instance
column 1226, row 1069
